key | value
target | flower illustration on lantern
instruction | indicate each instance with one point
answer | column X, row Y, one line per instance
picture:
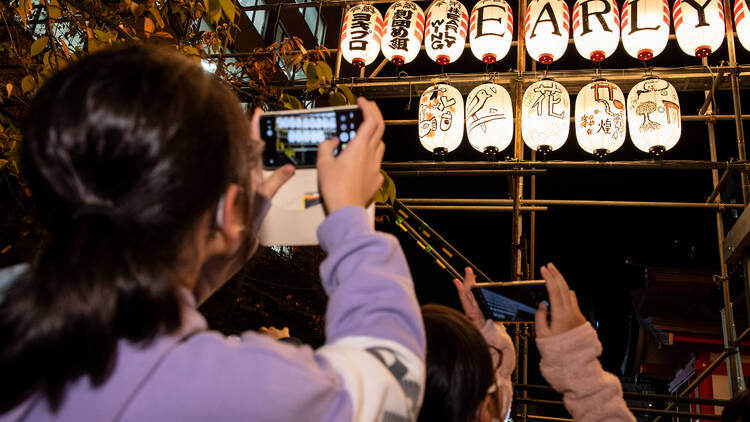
column 404, row 29
column 445, row 36
column 742, row 22
column 441, row 119
column 547, row 29
column 596, row 28
column 699, row 26
column 489, row 119
column 600, row 118
column 645, row 27
column 654, row 116
column 361, row 33
column 491, row 30
column 545, row 122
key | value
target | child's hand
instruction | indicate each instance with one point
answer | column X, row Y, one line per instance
column 468, row 302
column 565, row 313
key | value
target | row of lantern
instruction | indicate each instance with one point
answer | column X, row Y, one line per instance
column 597, row 28
column 652, row 116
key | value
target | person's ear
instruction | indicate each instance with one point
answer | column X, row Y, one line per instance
column 228, row 223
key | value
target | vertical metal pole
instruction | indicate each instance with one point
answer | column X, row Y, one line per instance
column 337, row 72
column 516, row 344
column 517, row 190
column 525, row 378
column 532, row 215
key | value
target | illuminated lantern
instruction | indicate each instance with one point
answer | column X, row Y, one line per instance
column 445, row 36
column 596, row 28
column 654, row 116
column 545, row 122
column 441, row 119
column 600, row 118
column 742, row 22
column 404, row 30
column 645, row 27
column 361, row 34
column 489, row 119
column 547, row 27
column 698, row 26
column 491, row 30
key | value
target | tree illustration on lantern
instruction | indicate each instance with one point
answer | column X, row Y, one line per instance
column 600, row 118
column 742, row 22
column 547, row 29
column 645, row 27
column 545, row 122
column 698, row 26
column 445, row 36
column 441, row 119
column 596, row 28
column 654, row 116
column 491, row 30
column 360, row 35
column 404, row 28
column 489, row 119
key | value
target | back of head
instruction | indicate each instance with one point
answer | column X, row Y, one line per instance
column 459, row 366
column 738, row 409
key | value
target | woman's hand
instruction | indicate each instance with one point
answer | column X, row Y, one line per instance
column 565, row 312
column 270, row 185
column 468, row 302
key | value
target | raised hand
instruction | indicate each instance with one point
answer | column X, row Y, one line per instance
column 565, row 312
column 468, row 302
column 267, row 186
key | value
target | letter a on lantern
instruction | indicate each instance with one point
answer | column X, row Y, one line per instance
column 491, row 30
column 596, row 28
column 645, row 27
column 547, row 28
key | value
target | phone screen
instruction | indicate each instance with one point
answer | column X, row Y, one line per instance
column 511, row 302
column 293, row 136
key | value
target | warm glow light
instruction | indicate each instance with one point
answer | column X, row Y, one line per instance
column 545, row 122
column 742, row 22
column 600, row 118
column 360, row 35
column 441, row 119
column 645, row 27
column 699, row 26
column 491, row 30
column 404, row 29
column 654, row 116
column 489, row 118
column 547, row 28
column 596, row 28
column 445, row 36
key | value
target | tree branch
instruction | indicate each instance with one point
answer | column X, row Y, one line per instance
column 98, row 17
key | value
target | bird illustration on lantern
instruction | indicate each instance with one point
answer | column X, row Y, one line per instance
column 489, row 119
column 547, row 29
column 361, row 33
column 545, row 122
column 404, row 29
column 600, row 118
column 441, row 119
column 699, row 26
column 491, row 30
column 596, row 28
column 645, row 27
column 654, row 116
column 742, row 22
column 445, row 36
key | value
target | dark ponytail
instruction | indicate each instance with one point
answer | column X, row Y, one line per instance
column 124, row 151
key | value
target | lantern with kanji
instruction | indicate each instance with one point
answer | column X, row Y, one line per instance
column 404, row 29
column 742, row 22
column 489, row 119
column 545, row 122
column 491, row 30
column 547, row 28
column 654, row 116
column 361, row 34
column 645, row 27
column 441, row 119
column 698, row 26
column 445, row 36
column 600, row 118
column 596, row 28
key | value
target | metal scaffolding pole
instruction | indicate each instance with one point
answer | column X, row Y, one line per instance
column 615, row 165
column 517, row 180
column 714, row 206
column 684, row 118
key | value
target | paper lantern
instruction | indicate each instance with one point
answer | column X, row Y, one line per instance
column 491, row 30
column 441, row 119
column 742, row 23
column 489, row 118
column 404, row 30
column 445, row 36
column 645, row 27
column 596, row 28
column 545, row 122
column 360, row 35
column 600, row 118
column 698, row 26
column 654, row 116
column 547, row 28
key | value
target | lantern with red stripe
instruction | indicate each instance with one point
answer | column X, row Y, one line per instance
column 441, row 119
column 360, row 35
column 489, row 119
column 547, row 28
column 445, row 36
column 654, row 116
column 545, row 122
column 645, row 27
column 600, row 118
column 742, row 22
column 699, row 26
column 491, row 30
column 404, row 29
column 596, row 28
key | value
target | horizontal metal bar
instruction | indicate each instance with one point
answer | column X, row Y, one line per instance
column 571, row 202
column 545, row 418
column 510, row 283
column 502, row 172
column 618, row 165
column 695, row 118
column 464, row 208
column 636, row 396
column 632, row 409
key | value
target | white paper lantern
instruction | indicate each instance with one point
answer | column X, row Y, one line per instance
column 545, row 122
column 489, row 118
column 596, row 28
column 404, row 30
column 491, row 30
column 547, row 28
column 445, row 36
column 360, row 35
column 654, row 116
column 742, row 22
column 600, row 118
column 441, row 119
column 645, row 27
column 698, row 26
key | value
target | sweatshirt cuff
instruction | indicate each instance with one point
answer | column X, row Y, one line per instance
column 579, row 341
column 342, row 224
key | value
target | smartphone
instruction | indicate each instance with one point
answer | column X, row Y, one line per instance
column 513, row 301
column 292, row 136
